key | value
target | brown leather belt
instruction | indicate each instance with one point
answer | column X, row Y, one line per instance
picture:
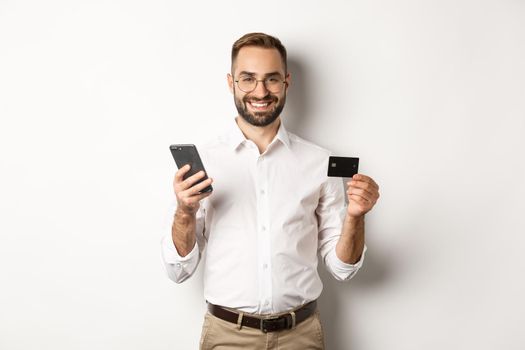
column 265, row 324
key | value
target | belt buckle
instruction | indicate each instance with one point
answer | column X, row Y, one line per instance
column 265, row 322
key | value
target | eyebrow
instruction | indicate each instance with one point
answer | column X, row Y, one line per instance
column 266, row 75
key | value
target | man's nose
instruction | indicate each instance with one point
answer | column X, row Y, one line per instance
column 260, row 89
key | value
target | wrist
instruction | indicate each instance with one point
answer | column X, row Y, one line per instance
column 184, row 215
column 354, row 220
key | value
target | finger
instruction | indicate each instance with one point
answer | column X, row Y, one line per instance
column 362, row 183
column 179, row 175
column 360, row 192
column 363, row 195
column 359, row 199
column 366, row 179
column 203, row 195
column 196, row 198
column 190, row 181
column 196, row 189
column 200, row 186
column 362, row 186
column 365, row 186
column 371, row 191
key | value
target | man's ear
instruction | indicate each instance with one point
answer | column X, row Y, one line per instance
column 288, row 80
column 230, row 82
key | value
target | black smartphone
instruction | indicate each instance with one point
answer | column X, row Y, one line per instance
column 188, row 154
column 342, row 166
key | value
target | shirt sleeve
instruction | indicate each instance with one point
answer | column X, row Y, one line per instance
column 180, row 268
column 331, row 212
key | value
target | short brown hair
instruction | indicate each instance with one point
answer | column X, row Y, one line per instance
column 259, row 40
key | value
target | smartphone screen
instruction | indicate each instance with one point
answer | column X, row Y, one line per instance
column 188, row 154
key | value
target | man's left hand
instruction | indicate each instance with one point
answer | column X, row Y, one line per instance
column 363, row 193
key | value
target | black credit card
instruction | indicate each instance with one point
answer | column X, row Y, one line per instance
column 342, row 166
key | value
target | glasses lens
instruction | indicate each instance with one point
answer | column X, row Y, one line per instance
column 273, row 84
column 247, row 84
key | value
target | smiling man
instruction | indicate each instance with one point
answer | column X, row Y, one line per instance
column 272, row 214
column 259, row 106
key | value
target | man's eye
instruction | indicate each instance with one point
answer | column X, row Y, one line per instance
column 247, row 79
column 272, row 80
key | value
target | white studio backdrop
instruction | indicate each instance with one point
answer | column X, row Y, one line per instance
column 429, row 94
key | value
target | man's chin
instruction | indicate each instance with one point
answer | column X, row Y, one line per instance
column 259, row 119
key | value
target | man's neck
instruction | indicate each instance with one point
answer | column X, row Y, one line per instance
column 262, row 136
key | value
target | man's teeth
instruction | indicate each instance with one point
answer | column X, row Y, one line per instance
column 259, row 105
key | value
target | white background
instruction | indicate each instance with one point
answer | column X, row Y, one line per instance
column 429, row 94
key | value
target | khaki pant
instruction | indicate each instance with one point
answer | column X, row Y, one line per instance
column 218, row 334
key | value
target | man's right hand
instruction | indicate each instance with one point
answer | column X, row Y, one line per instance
column 188, row 194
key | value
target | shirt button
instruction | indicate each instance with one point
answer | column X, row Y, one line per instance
column 265, row 266
column 266, row 302
column 263, row 228
column 262, row 192
column 179, row 264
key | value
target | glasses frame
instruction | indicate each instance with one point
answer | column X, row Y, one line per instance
column 284, row 82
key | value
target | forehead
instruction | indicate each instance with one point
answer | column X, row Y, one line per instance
column 258, row 60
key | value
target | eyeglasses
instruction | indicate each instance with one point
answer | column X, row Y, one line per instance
column 249, row 83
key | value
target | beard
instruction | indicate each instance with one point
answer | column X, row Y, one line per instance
column 260, row 118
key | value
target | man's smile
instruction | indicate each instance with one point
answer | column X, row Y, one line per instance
column 260, row 105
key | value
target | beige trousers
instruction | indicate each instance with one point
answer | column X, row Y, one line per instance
column 218, row 334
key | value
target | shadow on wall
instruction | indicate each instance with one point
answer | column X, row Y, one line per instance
column 337, row 298
column 298, row 101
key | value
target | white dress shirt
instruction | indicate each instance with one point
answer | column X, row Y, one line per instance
column 269, row 217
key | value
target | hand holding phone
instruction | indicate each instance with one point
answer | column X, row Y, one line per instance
column 191, row 184
column 188, row 155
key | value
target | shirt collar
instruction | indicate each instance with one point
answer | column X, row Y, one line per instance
column 236, row 137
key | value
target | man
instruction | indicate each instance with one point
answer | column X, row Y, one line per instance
column 272, row 212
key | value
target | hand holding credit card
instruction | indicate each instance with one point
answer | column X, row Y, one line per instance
column 342, row 166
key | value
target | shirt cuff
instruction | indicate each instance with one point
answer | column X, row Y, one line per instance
column 171, row 256
column 177, row 267
column 344, row 271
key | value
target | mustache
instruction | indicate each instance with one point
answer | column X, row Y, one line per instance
column 268, row 98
